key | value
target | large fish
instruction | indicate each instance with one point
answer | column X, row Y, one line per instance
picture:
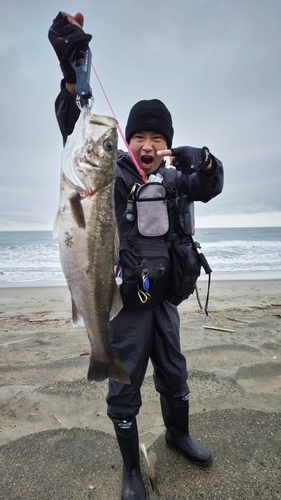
column 88, row 237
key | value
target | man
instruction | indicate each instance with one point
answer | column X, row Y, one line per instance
column 148, row 325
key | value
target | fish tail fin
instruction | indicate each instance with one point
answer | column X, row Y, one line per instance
column 100, row 371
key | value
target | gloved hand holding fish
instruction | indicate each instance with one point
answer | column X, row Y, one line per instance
column 70, row 43
column 67, row 36
column 88, row 236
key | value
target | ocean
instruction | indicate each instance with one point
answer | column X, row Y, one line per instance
column 31, row 258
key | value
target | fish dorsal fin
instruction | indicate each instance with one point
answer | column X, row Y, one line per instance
column 117, row 303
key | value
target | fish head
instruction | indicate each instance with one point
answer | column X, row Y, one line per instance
column 88, row 160
column 95, row 162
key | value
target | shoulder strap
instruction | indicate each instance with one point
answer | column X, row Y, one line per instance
column 129, row 178
column 170, row 177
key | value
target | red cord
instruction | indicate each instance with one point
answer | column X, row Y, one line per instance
column 120, row 130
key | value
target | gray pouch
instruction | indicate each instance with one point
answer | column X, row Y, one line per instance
column 152, row 212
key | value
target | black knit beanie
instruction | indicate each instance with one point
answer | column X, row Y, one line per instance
column 150, row 116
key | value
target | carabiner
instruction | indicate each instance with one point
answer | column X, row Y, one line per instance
column 144, row 297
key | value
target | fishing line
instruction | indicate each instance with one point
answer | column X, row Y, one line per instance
column 120, row 129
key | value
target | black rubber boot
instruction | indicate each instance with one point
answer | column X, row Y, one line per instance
column 128, row 440
column 176, row 418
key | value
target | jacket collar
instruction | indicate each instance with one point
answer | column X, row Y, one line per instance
column 124, row 160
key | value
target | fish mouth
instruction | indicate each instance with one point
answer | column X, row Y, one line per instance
column 146, row 159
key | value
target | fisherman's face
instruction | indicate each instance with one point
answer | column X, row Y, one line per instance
column 144, row 146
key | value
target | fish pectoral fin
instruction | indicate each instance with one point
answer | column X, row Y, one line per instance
column 117, row 302
column 77, row 210
column 77, row 319
column 56, row 226
column 116, row 244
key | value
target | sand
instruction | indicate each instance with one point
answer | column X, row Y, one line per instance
column 56, row 441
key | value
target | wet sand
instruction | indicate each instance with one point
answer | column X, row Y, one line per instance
column 57, row 442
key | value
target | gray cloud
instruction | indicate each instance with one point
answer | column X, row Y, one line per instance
column 215, row 64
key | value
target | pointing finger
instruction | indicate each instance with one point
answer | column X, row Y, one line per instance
column 164, row 152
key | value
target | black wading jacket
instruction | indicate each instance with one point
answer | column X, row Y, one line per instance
column 200, row 186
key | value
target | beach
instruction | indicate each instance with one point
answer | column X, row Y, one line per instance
column 57, row 442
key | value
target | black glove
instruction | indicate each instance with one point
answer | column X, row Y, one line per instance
column 66, row 37
column 189, row 160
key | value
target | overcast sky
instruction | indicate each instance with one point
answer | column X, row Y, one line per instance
column 214, row 63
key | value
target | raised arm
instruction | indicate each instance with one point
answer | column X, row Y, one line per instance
column 200, row 174
column 66, row 35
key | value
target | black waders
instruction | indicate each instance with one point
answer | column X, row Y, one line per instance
column 128, row 440
column 176, row 417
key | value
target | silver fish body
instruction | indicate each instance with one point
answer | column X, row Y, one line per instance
column 88, row 238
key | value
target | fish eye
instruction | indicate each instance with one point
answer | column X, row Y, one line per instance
column 108, row 145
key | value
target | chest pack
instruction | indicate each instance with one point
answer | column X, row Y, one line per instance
column 159, row 256
column 144, row 255
column 186, row 256
column 152, row 209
